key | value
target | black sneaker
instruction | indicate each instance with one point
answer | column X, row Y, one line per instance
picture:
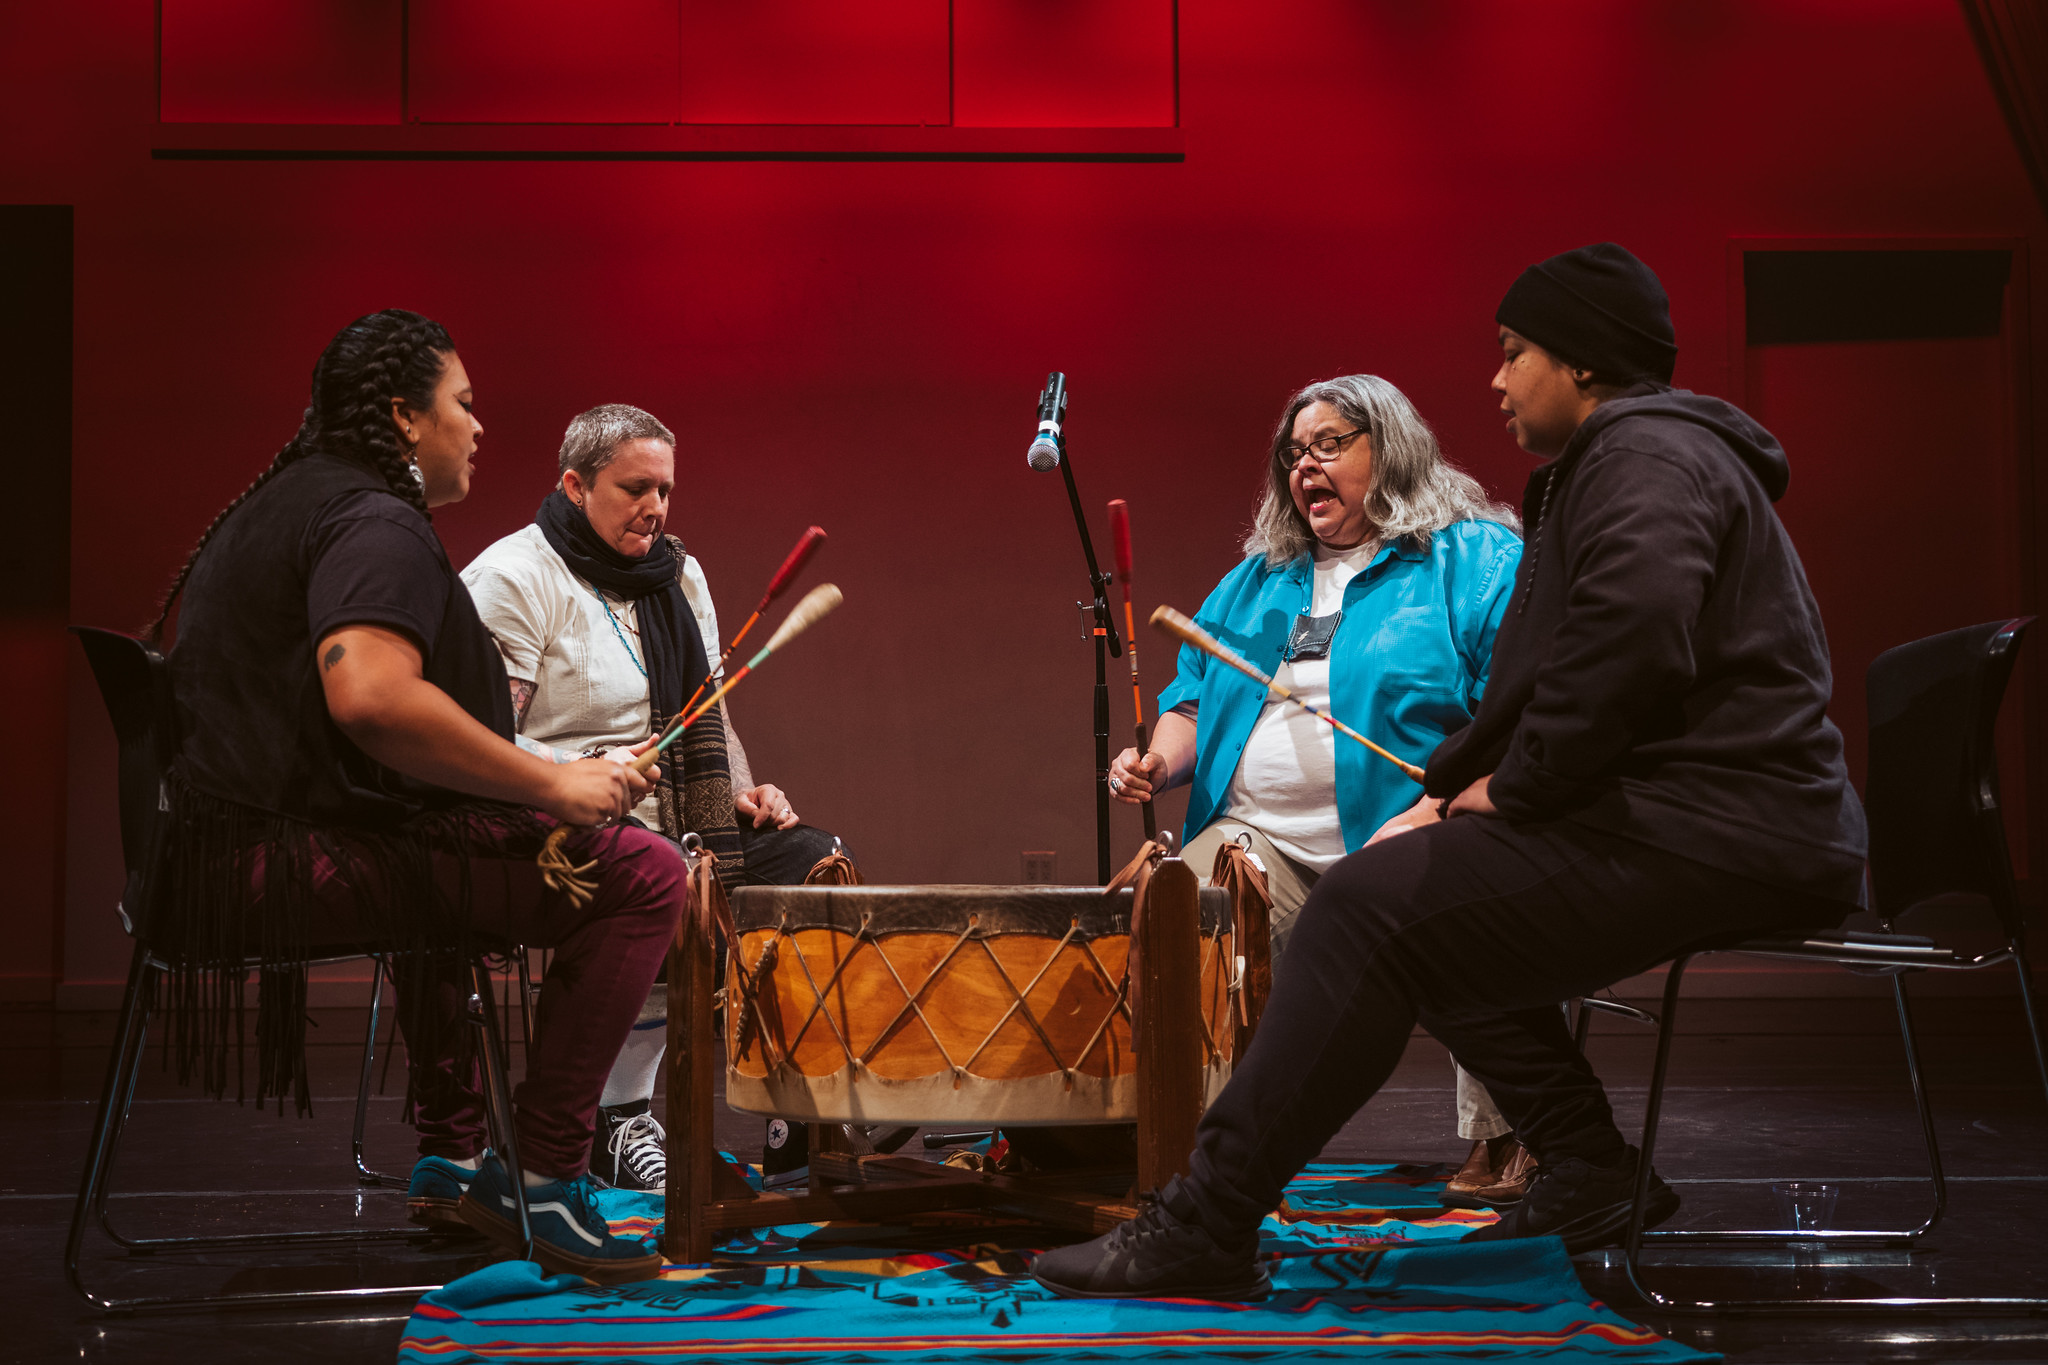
column 1586, row 1205
column 785, row 1154
column 1157, row 1255
column 634, row 1151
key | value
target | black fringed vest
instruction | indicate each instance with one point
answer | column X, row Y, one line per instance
column 264, row 773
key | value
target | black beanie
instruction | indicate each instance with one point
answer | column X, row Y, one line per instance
column 1597, row 308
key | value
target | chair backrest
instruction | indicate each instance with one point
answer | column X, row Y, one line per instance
column 135, row 684
column 1936, row 826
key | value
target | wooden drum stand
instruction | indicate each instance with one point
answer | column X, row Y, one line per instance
column 1187, row 1004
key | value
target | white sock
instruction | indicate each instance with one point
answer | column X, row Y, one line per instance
column 632, row 1078
column 466, row 1163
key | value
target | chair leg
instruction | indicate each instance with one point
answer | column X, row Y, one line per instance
column 526, row 1006
column 107, row 1122
column 116, row 1101
column 1921, row 1104
column 1653, row 1112
column 1633, row 1244
column 2026, row 975
column 130, row 1044
column 364, row 1175
column 483, row 1013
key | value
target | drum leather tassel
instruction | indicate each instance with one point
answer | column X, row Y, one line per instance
column 1251, row 913
column 1139, row 867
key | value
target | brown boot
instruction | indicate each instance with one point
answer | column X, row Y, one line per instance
column 1512, row 1182
column 1481, row 1169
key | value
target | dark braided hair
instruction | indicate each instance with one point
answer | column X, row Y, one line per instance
column 387, row 355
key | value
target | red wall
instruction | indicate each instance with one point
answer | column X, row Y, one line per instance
column 860, row 344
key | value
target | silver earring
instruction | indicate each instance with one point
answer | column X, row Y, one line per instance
column 417, row 477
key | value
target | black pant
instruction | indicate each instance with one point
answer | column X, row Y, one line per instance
column 1477, row 928
column 781, row 857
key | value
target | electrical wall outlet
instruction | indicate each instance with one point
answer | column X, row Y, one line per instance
column 1041, row 867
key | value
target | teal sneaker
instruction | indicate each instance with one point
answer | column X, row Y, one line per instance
column 570, row 1237
column 437, row 1188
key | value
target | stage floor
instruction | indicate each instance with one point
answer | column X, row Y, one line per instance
column 1762, row 1090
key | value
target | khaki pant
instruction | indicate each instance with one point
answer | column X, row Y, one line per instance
column 1289, row 883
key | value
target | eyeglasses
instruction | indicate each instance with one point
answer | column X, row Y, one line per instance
column 1324, row 450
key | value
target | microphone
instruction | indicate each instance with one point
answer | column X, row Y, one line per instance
column 1052, row 409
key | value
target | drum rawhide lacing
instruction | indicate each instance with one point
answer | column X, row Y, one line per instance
column 912, row 1005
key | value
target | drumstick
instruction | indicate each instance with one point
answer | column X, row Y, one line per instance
column 806, row 546
column 1173, row 623
column 816, row 603
column 573, row 879
column 1120, row 540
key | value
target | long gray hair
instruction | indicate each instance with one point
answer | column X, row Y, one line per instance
column 1414, row 492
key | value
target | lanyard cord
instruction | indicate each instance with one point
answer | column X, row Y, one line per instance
column 618, row 631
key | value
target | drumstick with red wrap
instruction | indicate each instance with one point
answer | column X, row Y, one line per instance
column 1173, row 623
column 806, row 546
column 1120, row 539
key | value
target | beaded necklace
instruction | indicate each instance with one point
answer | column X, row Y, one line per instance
column 619, row 631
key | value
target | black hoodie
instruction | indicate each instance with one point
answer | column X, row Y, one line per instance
column 1662, row 673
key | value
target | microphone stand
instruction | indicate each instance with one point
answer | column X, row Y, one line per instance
column 1107, row 646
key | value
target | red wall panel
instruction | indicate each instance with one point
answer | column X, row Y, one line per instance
column 281, row 61
column 1858, row 505
column 1063, row 63
column 537, row 61
column 814, row 61
column 861, row 345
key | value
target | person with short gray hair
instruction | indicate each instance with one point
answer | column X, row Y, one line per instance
column 1374, row 576
column 607, row 628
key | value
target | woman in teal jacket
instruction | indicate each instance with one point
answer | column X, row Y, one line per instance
column 1374, row 578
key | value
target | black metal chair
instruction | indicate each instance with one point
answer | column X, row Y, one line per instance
column 1936, row 829
column 134, row 682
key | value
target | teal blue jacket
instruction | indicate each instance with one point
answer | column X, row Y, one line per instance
column 1407, row 665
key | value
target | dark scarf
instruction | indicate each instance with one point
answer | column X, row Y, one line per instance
column 695, row 793
column 670, row 647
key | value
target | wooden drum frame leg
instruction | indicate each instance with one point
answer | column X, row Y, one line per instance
column 692, row 1054
column 1165, row 1006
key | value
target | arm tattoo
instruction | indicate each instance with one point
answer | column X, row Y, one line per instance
column 540, row 750
column 333, row 657
column 522, row 697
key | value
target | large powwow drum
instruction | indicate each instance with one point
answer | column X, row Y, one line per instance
column 989, row 1005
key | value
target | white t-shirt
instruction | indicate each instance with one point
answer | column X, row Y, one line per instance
column 1285, row 786
column 590, row 684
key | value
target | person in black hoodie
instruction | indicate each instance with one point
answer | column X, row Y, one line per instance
column 1651, row 769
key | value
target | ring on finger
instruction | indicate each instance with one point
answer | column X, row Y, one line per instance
column 1116, row 784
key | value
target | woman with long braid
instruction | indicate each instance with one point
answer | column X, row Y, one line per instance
column 348, row 776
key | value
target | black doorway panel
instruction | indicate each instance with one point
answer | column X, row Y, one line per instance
column 35, row 398
column 1823, row 296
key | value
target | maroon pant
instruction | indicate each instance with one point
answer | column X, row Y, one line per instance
column 606, row 957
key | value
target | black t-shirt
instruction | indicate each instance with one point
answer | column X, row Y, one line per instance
column 321, row 546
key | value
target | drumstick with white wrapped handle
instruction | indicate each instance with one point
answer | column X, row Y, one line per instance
column 1173, row 623
column 817, row 603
